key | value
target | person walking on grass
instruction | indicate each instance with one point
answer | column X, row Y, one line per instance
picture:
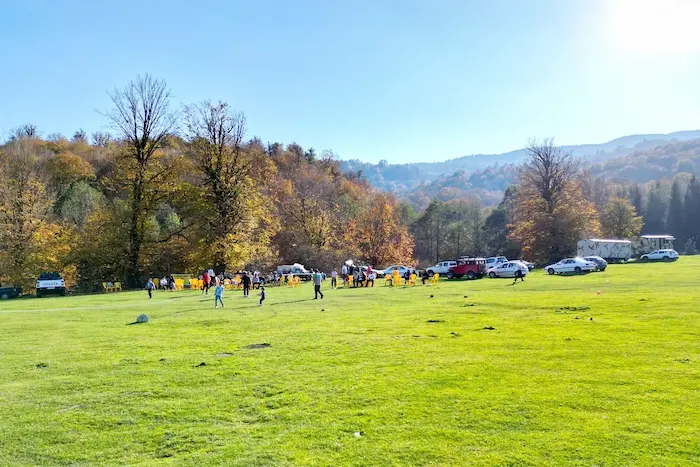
column 520, row 273
column 246, row 284
column 317, row 285
column 262, row 295
column 334, row 279
column 150, row 286
column 218, row 296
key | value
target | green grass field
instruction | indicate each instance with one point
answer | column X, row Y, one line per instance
column 612, row 380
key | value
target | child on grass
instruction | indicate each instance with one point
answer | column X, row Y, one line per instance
column 218, row 294
column 262, row 295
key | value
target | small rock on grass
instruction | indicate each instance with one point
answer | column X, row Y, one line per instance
column 142, row 318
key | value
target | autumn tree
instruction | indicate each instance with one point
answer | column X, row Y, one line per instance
column 550, row 213
column 382, row 239
column 29, row 241
column 619, row 219
column 236, row 226
column 143, row 117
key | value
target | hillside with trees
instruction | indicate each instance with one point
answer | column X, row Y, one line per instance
column 171, row 191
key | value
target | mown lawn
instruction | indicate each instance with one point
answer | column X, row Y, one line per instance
column 613, row 380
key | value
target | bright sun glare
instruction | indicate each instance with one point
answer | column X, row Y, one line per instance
column 655, row 28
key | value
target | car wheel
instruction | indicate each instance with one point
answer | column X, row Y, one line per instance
column 431, row 273
column 492, row 275
column 645, row 258
column 4, row 296
column 450, row 275
column 667, row 259
column 550, row 271
column 577, row 270
column 471, row 276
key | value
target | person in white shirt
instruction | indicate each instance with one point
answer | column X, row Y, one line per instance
column 334, row 279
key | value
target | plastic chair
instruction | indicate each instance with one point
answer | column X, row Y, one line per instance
column 436, row 277
column 117, row 287
column 105, row 288
column 412, row 280
column 387, row 279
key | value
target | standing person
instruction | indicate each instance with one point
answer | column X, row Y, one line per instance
column 206, row 283
column 317, row 285
column 218, row 296
column 256, row 281
column 262, row 295
column 424, row 277
column 164, row 283
column 520, row 274
column 171, row 283
column 150, row 286
column 246, row 284
column 334, row 279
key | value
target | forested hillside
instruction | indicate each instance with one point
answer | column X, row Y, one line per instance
column 405, row 177
column 172, row 191
column 660, row 161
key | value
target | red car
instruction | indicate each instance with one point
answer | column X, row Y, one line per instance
column 473, row 268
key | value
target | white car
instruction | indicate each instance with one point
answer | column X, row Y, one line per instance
column 390, row 271
column 575, row 265
column 661, row 255
column 441, row 268
column 494, row 261
column 509, row 269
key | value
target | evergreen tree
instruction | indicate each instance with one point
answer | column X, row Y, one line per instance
column 636, row 198
column 676, row 223
column 691, row 209
column 655, row 211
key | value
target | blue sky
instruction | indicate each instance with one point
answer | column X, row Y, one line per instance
column 404, row 81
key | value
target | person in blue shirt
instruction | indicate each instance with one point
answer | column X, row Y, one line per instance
column 218, row 294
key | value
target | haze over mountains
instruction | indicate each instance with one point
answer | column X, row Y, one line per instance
column 486, row 175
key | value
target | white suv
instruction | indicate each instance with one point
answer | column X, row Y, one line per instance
column 441, row 268
column 661, row 255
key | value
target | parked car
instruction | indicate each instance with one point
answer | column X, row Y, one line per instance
column 661, row 255
column 577, row 265
column 297, row 269
column 50, row 283
column 390, row 270
column 509, row 269
column 441, row 268
column 8, row 291
column 600, row 262
column 473, row 268
column 495, row 261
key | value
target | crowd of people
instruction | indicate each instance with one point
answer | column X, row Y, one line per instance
column 351, row 275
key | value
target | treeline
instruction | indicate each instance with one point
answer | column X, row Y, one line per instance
column 662, row 161
column 183, row 190
column 180, row 191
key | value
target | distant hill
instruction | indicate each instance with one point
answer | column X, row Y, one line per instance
column 403, row 178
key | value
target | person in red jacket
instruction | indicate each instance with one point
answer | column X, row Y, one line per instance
column 206, row 283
